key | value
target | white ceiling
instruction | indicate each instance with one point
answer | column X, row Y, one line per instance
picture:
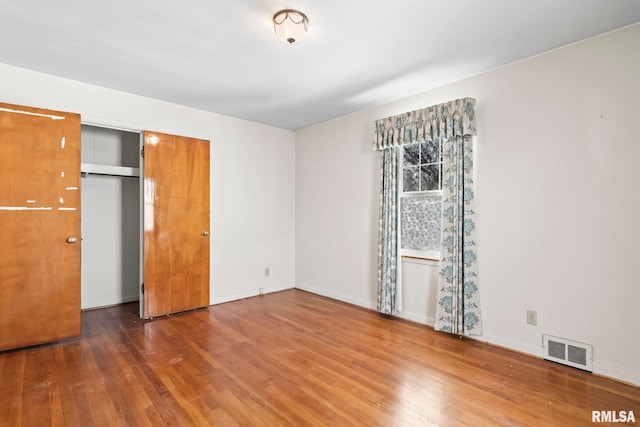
column 223, row 56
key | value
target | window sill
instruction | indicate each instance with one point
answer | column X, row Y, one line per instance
column 421, row 258
column 420, row 254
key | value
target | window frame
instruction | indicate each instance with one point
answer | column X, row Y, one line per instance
column 416, row 253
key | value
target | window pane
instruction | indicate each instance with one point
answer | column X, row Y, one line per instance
column 411, row 179
column 430, row 177
column 431, row 152
column 420, row 222
column 411, row 155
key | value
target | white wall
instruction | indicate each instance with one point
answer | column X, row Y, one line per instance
column 252, row 174
column 110, row 270
column 557, row 201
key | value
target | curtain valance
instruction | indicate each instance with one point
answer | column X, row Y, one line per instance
column 453, row 118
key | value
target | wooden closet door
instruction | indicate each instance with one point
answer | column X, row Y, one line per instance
column 176, row 224
column 39, row 226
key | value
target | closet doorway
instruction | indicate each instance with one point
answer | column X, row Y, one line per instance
column 110, row 216
column 145, row 220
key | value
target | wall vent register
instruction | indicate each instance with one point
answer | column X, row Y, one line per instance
column 568, row 352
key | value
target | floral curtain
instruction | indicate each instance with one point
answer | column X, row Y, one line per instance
column 458, row 307
column 388, row 274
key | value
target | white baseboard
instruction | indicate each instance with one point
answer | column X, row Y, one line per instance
column 610, row 370
column 105, row 302
column 510, row 344
column 418, row 318
column 336, row 295
column 221, row 299
column 414, row 317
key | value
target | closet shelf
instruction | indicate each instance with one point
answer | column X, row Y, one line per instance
column 92, row 168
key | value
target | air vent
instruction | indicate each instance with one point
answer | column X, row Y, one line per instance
column 567, row 352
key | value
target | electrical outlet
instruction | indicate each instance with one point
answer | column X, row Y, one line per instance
column 266, row 272
column 261, row 291
column 532, row 317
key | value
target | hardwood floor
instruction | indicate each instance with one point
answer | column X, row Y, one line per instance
column 289, row 358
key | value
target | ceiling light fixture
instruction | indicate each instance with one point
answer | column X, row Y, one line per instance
column 290, row 25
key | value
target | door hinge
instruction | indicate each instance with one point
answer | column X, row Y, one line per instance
column 142, row 288
column 142, row 152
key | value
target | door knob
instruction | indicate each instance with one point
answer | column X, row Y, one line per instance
column 71, row 240
column 205, row 233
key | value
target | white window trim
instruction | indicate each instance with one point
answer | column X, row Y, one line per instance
column 412, row 253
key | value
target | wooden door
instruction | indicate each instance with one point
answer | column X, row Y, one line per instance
column 175, row 223
column 39, row 226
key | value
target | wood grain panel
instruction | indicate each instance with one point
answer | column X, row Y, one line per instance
column 176, row 213
column 291, row 359
column 39, row 210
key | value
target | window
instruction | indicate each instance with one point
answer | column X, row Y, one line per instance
column 421, row 199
